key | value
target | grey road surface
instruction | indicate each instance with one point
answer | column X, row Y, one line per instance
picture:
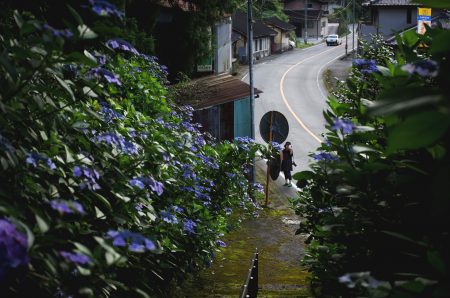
column 292, row 84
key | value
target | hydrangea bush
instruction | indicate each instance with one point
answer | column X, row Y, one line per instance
column 107, row 189
column 375, row 204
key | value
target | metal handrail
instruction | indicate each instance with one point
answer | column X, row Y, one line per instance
column 250, row 287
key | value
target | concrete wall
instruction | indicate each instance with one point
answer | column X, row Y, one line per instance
column 393, row 19
column 223, row 51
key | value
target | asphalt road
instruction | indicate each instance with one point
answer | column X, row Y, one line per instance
column 292, row 84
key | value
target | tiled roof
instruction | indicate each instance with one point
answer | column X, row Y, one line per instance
column 259, row 28
column 391, row 3
column 279, row 24
column 216, row 90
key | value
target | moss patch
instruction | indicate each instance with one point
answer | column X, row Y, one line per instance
column 280, row 253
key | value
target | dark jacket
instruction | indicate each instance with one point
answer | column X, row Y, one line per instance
column 286, row 163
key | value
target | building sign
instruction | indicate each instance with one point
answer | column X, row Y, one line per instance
column 205, row 64
column 423, row 17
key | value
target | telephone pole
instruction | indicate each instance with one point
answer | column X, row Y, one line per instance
column 353, row 29
column 250, row 73
column 306, row 21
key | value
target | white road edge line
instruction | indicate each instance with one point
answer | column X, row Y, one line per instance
column 286, row 101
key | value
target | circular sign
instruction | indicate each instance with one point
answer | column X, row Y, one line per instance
column 280, row 127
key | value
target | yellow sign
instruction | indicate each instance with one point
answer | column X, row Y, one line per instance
column 424, row 11
column 423, row 17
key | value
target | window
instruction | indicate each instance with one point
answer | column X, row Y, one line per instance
column 310, row 24
column 255, row 45
column 323, row 24
column 310, row 5
column 260, row 45
column 408, row 16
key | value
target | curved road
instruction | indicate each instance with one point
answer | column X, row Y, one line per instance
column 292, row 84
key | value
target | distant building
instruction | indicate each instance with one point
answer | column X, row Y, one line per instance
column 389, row 16
column 317, row 17
column 262, row 37
column 280, row 42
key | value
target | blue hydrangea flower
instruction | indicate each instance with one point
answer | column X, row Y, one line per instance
column 136, row 242
column 221, row 243
column 423, row 68
column 189, row 226
column 324, row 156
column 104, row 74
column 89, row 175
column 230, row 175
column 76, row 258
column 208, row 161
column 58, row 33
column 258, row 187
column 104, row 8
column 13, row 247
column 277, row 146
column 168, row 217
column 67, row 207
column 139, row 207
column 33, row 158
column 109, row 114
column 152, row 184
column 118, row 142
column 365, row 66
column 347, row 126
column 176, row 209
column 121, row 46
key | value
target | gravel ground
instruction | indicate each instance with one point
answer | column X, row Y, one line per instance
column 337, row 71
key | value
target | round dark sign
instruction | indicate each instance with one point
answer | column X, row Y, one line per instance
column 280, row 127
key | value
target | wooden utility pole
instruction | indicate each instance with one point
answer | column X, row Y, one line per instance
column 250, row 74
column 269, row 161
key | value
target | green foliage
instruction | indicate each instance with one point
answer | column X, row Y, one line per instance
column 376, row 201
column 104, row 135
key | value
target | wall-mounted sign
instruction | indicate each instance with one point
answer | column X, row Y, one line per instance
column 205, row 64
column 423, row 17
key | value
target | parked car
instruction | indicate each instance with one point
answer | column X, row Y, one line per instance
column 333, row 39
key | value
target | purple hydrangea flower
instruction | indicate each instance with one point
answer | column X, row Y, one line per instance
column 118, row 142
column 104, row 74
column 189, row 226
column 168, row 217
column 90, row 177
column 76, row 258
column 244, row 142
column 365, row 66
column 58, row 33
column 324, row 156
column 13, row 247
column 423, row 68
column 176, row 209
column 67, row 207
column 347, row 126
column 139, row 207
column 33, row 158
column 136, row 242
column 230, row 175
column 104, row 8
column 221, row 243
column 142, row 182
column 121, row 45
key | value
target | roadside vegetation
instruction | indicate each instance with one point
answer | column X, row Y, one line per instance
column 375, row 204
column 107, row 189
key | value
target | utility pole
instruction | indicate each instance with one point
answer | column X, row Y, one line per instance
column 306, row 21
column 346, row 29
column 250, row 73
column 353, row 29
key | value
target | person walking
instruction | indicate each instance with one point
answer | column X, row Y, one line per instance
column 287, row 160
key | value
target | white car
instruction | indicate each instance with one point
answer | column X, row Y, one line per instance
column 333, row 39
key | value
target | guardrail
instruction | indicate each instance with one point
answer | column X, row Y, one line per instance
column 250, row 287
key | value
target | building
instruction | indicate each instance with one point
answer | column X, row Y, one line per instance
column 316, row 17
column 262, row 37
column 388, row 17
column 280, row 42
